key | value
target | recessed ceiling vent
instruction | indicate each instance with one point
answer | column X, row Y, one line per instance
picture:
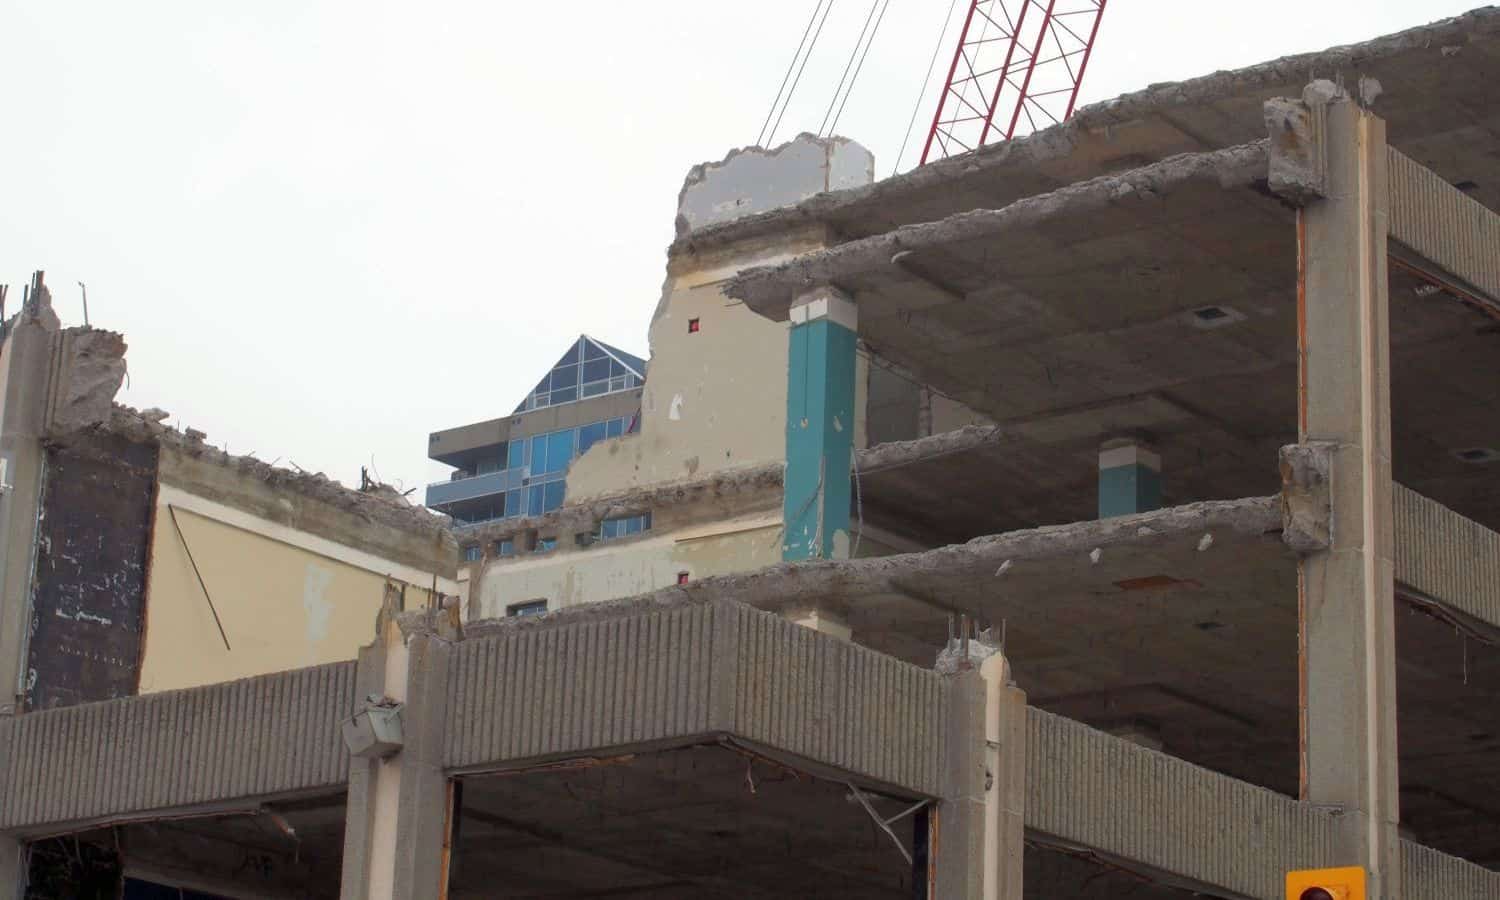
column 1207, row 317
column 1478, row 455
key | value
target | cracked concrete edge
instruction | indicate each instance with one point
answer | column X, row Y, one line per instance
column 586, row 513
column 90, row 369
column 1306, row 504
column 1286, row 73
column 774, row 586
column 380, row 508
column 769, row 289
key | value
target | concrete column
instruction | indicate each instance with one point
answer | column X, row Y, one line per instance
column 400, row 808
column 1129, row 478
column 819, row 425
column 12, row 868
column 25, row 382
column 979, row 842
column 1347, row 595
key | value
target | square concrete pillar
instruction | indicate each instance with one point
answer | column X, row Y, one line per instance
column 1129, row 478
column 819, row 426
column 400, row 807
column 1329, row 155
column 981, row 821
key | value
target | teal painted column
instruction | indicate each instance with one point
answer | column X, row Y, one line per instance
column 1129, row 478
column 819, row 425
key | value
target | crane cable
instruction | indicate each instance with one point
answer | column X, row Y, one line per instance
column 859, row 68
column 853, row 52
column 953, row 4
column 766, row 137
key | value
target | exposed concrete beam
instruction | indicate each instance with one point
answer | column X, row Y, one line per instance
column 1446, row 558
column 1445, row 226
column 770, row 290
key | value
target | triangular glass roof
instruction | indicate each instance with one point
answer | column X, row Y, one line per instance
column 590, row 368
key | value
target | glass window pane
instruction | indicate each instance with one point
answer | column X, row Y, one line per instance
column 616, row 370
column 544, row 385
column 508, row 547
column 552, row 495
column 632, row 424
column 572, row 355
column 595, row 389
column 564, row 377
column 534, row 500
column 595, row 370
column 589, row 435
column 646, row 521
column 592, row 352
column 538, row 461
column 614, row 428
column 564, row 395
column 512, row 503
column 515, row 456
column 633, row 525
column 559, row 451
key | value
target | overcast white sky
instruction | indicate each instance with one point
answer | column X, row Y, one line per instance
column 328, row 228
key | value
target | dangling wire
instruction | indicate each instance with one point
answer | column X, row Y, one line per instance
column 857, row 69
column 925, row 81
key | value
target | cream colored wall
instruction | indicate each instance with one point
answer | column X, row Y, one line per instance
column 714, row 399
column 286, row 598
column 636, row 566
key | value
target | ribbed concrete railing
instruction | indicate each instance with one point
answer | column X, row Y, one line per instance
column 692, row 672
column 1444, row 224
column 1447, row 557
column 262, row 736
column 1427, row 873
column 1094, row 790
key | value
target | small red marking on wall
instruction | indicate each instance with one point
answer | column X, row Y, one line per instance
column 1156, row 582
column 693, row 326
column 682, row 578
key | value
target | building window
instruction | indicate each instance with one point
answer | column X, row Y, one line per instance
column 473, row 554
column 682, row 577
column 546, row 545
column 506, row 547
column 693, row 326
column 529, row 608
column 624, row 526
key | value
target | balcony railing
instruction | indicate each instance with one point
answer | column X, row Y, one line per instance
column 444, row 492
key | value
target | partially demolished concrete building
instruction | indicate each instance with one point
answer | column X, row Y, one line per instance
column 1230, row 536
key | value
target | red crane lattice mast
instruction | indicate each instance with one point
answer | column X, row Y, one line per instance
column 1018, row 63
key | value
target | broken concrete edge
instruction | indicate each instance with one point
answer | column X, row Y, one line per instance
column 700, row 174
column 90, row 369
column 1287, row 75
column 147, row 428
column 1306, row 504
column 1298, row 168
column 773, row 587
column 769, row 289
column 586, row 513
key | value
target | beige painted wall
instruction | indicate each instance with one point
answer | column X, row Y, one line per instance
column 714, row 399
column 636, row 566
column 286, row 598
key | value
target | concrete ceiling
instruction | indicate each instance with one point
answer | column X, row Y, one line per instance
column 1078, row 315
column 704, row 821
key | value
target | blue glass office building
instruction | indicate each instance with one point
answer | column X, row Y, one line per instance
column 518, row 465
